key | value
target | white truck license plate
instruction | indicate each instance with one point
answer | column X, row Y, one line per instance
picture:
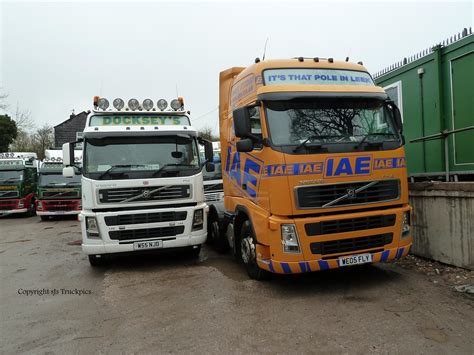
column 355, row 259
column 155, row 244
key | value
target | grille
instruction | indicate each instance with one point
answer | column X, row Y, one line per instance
column 349, row 224
column 8, row 205
column 56, row 194
column 213, row 187
column 154, row 193
column 355, row 193
column 214, row 196
column 351, row 244
column 146, row 233
column 60, row 205
column 8, row 194
column 145, row 218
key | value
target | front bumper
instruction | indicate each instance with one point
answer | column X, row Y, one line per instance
column 280, row 267
column 380, row 237
column 106, row 245
column 18, row 210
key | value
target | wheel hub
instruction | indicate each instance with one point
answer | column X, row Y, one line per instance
column 247, row 249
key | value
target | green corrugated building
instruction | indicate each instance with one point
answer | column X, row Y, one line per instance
column 435, row 92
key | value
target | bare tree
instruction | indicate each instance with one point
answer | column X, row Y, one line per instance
column 3, row 104
column 42, row 139
column 206, row 133
column 23, row 119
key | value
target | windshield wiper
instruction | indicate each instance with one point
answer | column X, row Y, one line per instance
column 109, row 170
column 372, row 143
column 171, row 164
column 314, row 145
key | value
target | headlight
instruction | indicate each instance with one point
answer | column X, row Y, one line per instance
column 198, row 219
column 39, row 205
column 162, row 104
column 133, row 104
column 118, row 104
column 175, row 104
column 405, row 224
column 103, row 103
column 92, row 229
column 147, row 104
column 21, row 203
column 289, row 239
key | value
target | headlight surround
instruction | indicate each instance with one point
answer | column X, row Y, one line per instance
column 198, row 219
column 406, row 224
column 92, row 228
column 289, row 239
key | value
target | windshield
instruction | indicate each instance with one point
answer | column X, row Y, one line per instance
column 11, row 175
column 140, row 157
column 331, row 125
column 58, row 179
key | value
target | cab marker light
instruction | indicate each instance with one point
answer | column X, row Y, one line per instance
column 162, row 104
column 147, row 104
column 133, row 104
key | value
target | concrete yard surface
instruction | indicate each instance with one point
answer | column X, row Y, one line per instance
column 52, row 301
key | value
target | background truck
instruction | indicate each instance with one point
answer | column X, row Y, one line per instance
column 142, row 185
column 314, row 167
column 214, row 197
column 57, row 195
column 18, row 178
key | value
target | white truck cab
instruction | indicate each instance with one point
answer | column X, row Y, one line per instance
column 142, row 185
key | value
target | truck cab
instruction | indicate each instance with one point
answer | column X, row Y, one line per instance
column 18, row 179
column 142, row 187
column 314, row 167
column 57, row 195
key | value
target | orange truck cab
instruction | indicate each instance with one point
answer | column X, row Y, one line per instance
column 314, row 169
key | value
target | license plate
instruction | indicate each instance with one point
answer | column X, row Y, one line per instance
column 148, row 245
column 355, row 259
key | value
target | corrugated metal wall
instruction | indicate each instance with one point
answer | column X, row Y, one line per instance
column 435, row 91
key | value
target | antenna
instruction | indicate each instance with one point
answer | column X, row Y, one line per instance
column 265, row 49
column 177, row 90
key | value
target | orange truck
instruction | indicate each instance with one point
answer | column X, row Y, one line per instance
column 314, row 168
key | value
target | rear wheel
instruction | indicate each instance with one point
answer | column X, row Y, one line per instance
column 97, row 260
column 248, row 254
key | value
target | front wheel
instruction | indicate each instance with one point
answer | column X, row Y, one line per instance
column 248, row 254
column 44, row 218
column 97, row 260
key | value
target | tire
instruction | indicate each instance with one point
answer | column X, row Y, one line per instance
column 97, row 261
column 194, row 252
column 213, row 230
column 44, row 218
column 247, row 253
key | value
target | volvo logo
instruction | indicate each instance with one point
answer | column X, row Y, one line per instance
column 351, row 193
column 146, row 194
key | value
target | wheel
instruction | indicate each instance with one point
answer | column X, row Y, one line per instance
column 193, row 252
column 248, row 254
column 97, row 260
column 212, row 230
column 44, row 218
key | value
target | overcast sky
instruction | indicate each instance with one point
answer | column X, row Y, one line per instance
column 56, row 56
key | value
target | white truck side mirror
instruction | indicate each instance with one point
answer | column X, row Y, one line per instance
column 69, row 172
column 68, row 154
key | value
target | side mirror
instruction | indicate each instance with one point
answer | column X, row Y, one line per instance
column 68, row 171
column 396, row 115
column 210, row 167
column 68, row 154
column 208, row 154
column 242, row 125
column 244, row 145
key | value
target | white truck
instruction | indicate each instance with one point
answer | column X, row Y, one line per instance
column 142, row 186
